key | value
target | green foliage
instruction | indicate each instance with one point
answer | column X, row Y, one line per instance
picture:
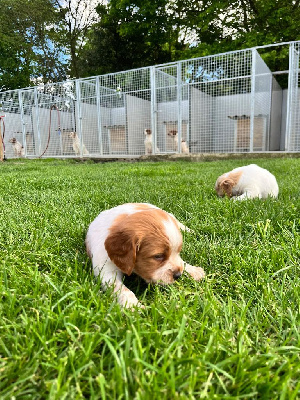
column 233, row 336
column 130, row 35
column 52, row 39
column 136, row 34
column 26, row 49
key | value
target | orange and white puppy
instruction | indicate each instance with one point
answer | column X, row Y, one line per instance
column 247, row 182
column 136, row 238
column 19, row 150
column 148, row 142
column 76, row 145
column 184, row 146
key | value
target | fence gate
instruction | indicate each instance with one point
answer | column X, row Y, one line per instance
column 260, row 104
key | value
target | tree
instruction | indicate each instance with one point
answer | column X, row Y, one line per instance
column 76, row 17
column 220, row 26
column 131, row 35
column 48, row 40
column 26, row 50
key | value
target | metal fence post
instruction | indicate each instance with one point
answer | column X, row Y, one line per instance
column 179, row 98
column 266, row 141
column 99, row 122
column 252, row 106
column 79, row 116
column 37, row 115
column 289, row 98
column 153, row 109
column 21, row 105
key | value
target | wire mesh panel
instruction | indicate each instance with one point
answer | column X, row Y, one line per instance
column 53, row 117
column 219, row 97
column 261, row 97
column 11, row 127
column 124, row 102
column 293, row 114
column 166, row 108
column 136, row 86
column 276, row 117
column 87, row 135
column 26, row 101
column 138, row 111
column 111, row 117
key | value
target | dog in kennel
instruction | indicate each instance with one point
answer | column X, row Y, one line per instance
column 184, row 147
column 19, row 150
column 76, row 144
column 148, row 142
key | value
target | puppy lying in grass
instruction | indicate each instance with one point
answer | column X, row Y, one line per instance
column 137, row 238
column 247, row 182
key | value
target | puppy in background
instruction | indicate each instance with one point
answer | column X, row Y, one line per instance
column 19, row 150
column 148, row 142
column 137, row 238
column 184, row 146
column 247, row 182
column 76, row 145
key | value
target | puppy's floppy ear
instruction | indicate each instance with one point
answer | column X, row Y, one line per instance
column 227, row 182
column 227, row 185
column 121, row 248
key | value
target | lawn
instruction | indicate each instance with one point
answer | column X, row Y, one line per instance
column 234, row 335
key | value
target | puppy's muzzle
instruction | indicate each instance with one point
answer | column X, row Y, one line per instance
column 176, row 275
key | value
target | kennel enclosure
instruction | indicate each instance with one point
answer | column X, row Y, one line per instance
column 222, row 103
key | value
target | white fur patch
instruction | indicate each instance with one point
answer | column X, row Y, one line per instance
column 173, row 233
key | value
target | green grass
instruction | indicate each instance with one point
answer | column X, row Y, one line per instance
column 234, row 335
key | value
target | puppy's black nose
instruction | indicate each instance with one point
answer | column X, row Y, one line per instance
column 176, row 275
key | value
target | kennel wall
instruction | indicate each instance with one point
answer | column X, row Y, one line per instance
column 228, row 102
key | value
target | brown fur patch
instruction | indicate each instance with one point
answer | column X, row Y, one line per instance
column 135, row 240
column 235, row 176
column 143, row 207
column 226, row 183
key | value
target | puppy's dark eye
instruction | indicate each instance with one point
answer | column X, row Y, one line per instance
column 159, row 257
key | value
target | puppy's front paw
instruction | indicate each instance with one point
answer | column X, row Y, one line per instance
column 196, row 273
column 127, row 299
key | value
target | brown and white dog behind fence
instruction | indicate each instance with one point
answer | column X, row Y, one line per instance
column 148, row 142
column 137, row 238
column 76, row 144
column 19, row 150
column 247, row 182
column 184, row 146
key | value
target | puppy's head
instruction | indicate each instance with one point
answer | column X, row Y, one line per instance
column 226, row 183
column 172, row 133
column 147, row 243
column 13, row 140
column 224, row 186
column 72, row 135
column 147, row 131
